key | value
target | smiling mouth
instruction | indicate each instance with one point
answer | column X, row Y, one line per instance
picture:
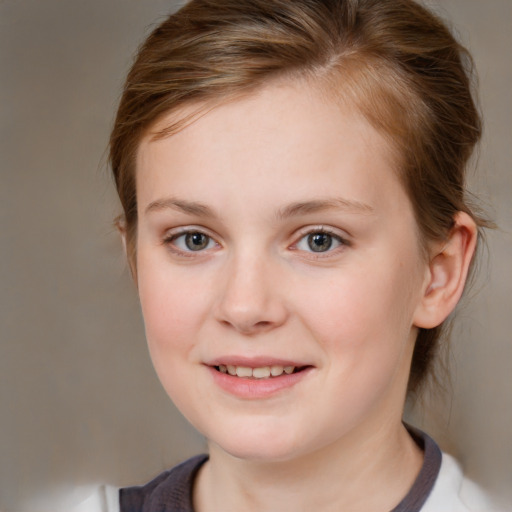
column 262, row 372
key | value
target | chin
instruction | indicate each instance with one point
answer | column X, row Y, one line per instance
column 259, row 452
column 259, row 445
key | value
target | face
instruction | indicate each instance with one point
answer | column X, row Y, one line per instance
column 276, row 243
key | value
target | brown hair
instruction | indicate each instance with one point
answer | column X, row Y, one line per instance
column 396, row 62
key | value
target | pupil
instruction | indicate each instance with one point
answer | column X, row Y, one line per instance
column 196, row 241
column 319, row 242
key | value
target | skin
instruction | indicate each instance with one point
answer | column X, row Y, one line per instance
column 258, row 175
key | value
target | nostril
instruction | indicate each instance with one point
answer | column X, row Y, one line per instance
column 248, row 327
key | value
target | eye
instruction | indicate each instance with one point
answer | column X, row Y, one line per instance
column 191, row 241
column 320, row 241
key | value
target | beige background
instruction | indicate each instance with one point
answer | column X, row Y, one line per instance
column 79, row 403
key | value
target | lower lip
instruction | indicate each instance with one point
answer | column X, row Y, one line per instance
column 250, row 388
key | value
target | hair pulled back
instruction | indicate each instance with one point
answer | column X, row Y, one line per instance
column 393, row 60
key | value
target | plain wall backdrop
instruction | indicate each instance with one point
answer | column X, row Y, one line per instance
column 79, row 402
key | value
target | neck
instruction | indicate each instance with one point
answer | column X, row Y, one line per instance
column 361, row 471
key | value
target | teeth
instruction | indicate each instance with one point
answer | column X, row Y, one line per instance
column 243, row 371
column 263, row 372
column 275, row 371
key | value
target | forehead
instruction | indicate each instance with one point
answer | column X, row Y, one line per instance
column 302, row 96
column 285, row 137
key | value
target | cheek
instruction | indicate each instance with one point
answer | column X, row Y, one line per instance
column 363, row 325
column 170, row 325
column 363, row 320
column 171, row 298
column 165, row 315
column 173, row 308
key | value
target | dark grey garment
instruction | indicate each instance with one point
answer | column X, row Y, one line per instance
column 424, row 483
column 171, row 491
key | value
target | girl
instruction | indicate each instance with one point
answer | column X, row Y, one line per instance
column 295, row 218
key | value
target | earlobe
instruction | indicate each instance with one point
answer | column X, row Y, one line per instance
column 447, row 273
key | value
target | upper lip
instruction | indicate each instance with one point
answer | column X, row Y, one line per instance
column 254, row 362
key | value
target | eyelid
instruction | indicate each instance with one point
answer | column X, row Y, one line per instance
column 172, row 234
column 342, row 237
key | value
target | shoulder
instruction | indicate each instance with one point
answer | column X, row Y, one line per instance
column 170, row 491
column 452, row 492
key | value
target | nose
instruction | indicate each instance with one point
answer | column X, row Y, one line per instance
column 252, row 298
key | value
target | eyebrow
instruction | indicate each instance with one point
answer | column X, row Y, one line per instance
column 292, row 210
column 320, row 205
column 188, row 207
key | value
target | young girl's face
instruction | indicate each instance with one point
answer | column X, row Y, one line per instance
column 274, row 234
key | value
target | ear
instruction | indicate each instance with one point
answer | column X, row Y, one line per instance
column 447, row 272
column 120, row 224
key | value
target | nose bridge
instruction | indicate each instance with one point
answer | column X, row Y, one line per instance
column 250, row 300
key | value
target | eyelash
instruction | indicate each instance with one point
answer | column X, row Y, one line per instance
column 322, row 230
column 170, row 241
